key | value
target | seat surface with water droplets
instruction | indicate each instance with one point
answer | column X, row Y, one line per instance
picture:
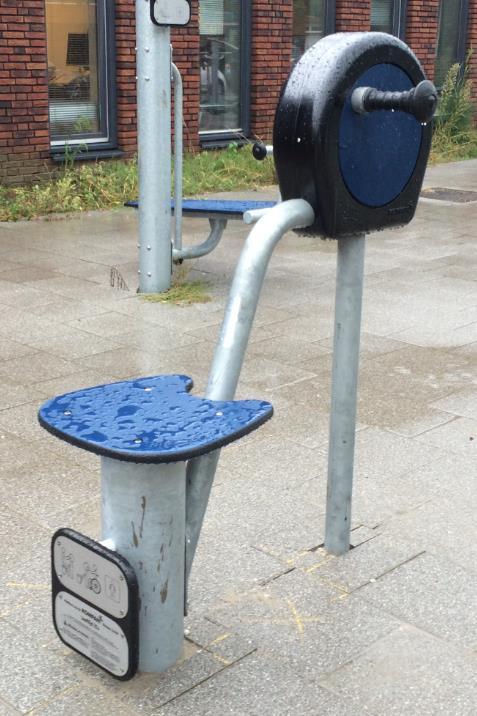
column 150, row 420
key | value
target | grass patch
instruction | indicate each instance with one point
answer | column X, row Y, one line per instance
column 455, row 136
column 182, row 292
column 107, row 185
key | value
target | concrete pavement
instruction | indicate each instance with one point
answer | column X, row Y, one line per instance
column 276, row 626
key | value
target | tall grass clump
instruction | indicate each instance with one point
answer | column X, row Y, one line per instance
column 107, row 185
column 455, row 136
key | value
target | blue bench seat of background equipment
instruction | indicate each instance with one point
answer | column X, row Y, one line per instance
column 216, row 208
column 150, row 420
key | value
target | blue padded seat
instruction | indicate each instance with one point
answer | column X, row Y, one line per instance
column 216, row 208
column 150, row 420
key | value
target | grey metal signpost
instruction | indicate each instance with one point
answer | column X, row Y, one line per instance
column 344, row 387
column 153, row 63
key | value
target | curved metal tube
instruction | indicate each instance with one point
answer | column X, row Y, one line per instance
column 217, row 227
column 178, row 152
column 232, row 344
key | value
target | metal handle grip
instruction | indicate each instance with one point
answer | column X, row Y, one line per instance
column 261, row 151
column 420, row 101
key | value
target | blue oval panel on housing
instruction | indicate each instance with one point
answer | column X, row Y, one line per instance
column 378, row 151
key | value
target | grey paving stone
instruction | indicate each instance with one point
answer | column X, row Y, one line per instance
column 258, row 684
column 317, row 625
column 444, row 526
column 84, row 517
column 85, row 700
column 20, row 295
column 431, row 593
column 147, row 692
column 71, row 344
column 22, row 421
column 6, row 710
column 111, row 324
column 379, row 450
column 363, row 564
column 370, row 345
column 271, row 457
column 288, row 351
column 234, row 567
column 42, row 675
column 462, row 402
column 40, row 493
column 13, row 393
column 121, row 362
column 32, row 617
column 14, row 349
column 34, row 368
column 459, row 435
column 408, row 672
column 293, row 422
column 21, row 536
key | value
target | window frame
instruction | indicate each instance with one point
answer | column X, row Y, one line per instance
column 89, row 142
column 329, row 24
column 399, row 18
column 213, row 138
column 462, row 31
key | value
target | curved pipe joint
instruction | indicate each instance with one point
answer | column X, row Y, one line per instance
column 178, row 151
column 217, row 227
column 232, row 344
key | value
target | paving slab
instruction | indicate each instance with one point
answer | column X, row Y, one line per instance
column 275, row 624
column 316, row 623
column 251, row 688
column 423, row 592
column 47, row 673
column 389, row 677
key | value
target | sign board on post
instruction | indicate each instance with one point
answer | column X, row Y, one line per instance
column 95, row 602
column 170, row 12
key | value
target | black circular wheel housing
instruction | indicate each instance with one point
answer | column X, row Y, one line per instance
column 338, row 160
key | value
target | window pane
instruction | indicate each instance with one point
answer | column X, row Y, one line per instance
column 308, row 25
column 382, row 15
column 220, row 64
column 73, row 77
column 448, row 39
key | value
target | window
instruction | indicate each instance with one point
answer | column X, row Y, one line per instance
column 312, row 20
column 80, row 71
column 452, row 34
column 389, row 16
column 224, row 27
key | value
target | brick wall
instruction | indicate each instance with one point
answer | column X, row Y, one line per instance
column 185, row 42
column 421, row 31
column 126, row 75
column 472, row 43
column 270, row 61
column 353, row 15
column 24, row 137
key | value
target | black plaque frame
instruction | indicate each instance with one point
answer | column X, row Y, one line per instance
column 129, row 623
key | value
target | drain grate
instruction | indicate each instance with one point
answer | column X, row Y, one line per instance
column 458, row 196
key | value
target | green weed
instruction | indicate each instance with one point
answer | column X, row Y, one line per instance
column 455, row 136
column 182, row 292
column 107, row 185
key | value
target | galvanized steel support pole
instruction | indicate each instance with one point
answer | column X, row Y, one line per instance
column 143, row 514
column 178, row 158
column 349, row 293
column 154, row 151
column 230, row 351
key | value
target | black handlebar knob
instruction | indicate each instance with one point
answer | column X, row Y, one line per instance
column 259, row 151
column 421, row 101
